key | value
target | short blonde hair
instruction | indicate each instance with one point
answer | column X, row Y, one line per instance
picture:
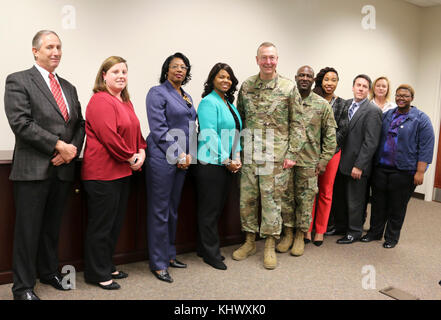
column 372, row 93
column 99, row 81
column 408, row 88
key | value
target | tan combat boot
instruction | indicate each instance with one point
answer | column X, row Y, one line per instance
column 269, row 256
column 247, row 249
column 287, row 239
column 299, row 244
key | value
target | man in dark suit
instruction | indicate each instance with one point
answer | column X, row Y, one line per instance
column 363, row 136
column 45, row 115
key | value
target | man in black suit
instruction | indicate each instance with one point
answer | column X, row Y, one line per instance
column 45, row 115
column 363, row 136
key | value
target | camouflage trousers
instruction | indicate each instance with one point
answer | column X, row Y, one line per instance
column 269, row 185
column 299, row 200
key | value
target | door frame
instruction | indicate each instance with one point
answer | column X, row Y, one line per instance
column 430, row 190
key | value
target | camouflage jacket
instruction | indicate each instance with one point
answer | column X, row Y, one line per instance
column 274, row 129
column 320, row 127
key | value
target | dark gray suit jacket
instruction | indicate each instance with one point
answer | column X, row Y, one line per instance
column 362, row 139
column 38, row 124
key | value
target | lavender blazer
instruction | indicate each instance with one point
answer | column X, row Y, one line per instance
column 171, row 123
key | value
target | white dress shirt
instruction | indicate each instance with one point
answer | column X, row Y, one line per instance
column 45, row 75
column 388, row 106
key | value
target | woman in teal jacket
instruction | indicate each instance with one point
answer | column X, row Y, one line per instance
column 218, row 157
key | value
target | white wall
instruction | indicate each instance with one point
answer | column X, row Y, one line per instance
column 316, row 32
column 428, row 96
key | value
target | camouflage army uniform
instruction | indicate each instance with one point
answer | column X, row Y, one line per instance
column 268, row 113
column 320, row 147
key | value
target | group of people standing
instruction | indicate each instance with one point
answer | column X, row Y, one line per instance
column 288, row 142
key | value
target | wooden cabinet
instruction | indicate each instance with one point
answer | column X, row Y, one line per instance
column 132, row 243
column 7, row 222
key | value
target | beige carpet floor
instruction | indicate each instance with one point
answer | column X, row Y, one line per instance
column 329, row 272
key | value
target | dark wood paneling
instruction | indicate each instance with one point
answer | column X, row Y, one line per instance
column 186, row 234
column 7, row 219
column 127, row 237
column 132, row 243
column 72, row 226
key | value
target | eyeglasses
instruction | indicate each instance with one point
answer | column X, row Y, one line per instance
column 174, row 67
column 402, row 97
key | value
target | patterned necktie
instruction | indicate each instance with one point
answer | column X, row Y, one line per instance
column 56, row 91
column 352, row 111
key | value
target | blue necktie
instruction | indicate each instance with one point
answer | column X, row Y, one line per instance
column 352, row 111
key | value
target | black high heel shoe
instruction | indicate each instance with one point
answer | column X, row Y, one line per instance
column 318, row 243
column 112, row 286
column 177, row 264
column 163, row 275
column 120, row 275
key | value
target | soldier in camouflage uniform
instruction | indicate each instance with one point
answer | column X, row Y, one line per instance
column 318, row 149
column 273, row 132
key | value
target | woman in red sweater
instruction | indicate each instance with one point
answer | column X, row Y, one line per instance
column 114, row 148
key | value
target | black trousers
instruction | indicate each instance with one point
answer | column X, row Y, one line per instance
column 39, row 210
column 213, row 184
column 106, row 204
column 349, row 204
column 391, row 192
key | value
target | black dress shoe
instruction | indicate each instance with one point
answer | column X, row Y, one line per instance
column 389, row 244
column 26, row 295
column 369, row 238
column 216, row 264
column 177, row 264
column 348, row 239
column 56, row 282
column 163, row 275
column 306, row 241
column 200, row 255
column 120, row 275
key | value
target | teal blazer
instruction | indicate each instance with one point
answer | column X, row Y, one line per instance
column 216, row 130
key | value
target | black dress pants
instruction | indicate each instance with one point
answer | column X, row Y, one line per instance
column 213, row 185
column 39, row 211
column 350, row 204
column 106, row 204
column 391, row 192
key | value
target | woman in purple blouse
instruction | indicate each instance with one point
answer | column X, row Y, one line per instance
column 403, row 155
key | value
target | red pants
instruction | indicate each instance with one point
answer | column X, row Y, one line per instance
column 324, row 201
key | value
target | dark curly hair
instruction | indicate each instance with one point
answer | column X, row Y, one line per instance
column 208, row 85
column 318, row 89
column 166, row 64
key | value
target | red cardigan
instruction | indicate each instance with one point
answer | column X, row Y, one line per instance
column 113, row 135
